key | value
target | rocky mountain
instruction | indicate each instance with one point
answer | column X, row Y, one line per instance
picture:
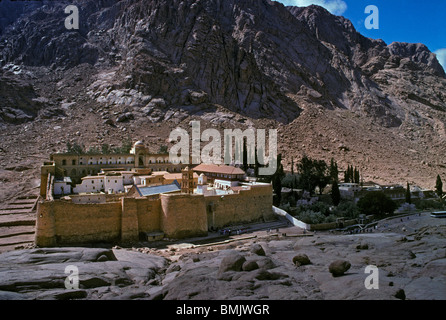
column 154, row 65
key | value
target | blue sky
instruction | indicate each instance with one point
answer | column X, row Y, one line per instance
column 412, row 21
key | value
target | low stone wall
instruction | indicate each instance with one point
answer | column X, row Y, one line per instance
column 331, row 225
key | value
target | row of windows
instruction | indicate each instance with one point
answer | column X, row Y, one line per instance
column 108, row 180
column 84, row 172
column 73, row 162
column 221, row 175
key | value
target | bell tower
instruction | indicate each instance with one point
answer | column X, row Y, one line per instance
column 187, row 180
column 139, row 150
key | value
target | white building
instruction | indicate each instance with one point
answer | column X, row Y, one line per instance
column 90, row 184
column 347, row 190
column 113, row 184
column 62, row 187
column 225, row 184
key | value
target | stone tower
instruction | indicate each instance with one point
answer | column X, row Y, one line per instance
column 140, row 151
column 187, row 180
column 47, row 170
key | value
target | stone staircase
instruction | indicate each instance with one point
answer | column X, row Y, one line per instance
column 17, row 223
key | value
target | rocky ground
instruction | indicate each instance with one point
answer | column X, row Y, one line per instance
column 410, row 254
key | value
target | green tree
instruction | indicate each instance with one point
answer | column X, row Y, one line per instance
column 347, row 209
column 276, row 180
column 93, row 150
column 279, row 170
column 356, row 175
column 408, row 195
column 163, row 149
column 335, row 193
column 245, row 156
column 439, row 186
column 307, row 174
column 322, row 177
column 105, row 148
column 78, row 149
column 334, row 172
column 313, row 173
column 256, row 163
column 376, row 203
column 346, row 177
column 277, row 187
column 126, row 146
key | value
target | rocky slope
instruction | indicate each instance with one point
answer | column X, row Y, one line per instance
column 137, row 69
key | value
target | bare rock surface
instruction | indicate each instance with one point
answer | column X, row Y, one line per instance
column 233, row 272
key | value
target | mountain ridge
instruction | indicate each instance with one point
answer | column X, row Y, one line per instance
column 257, row 63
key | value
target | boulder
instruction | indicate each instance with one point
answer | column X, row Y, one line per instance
column 400, row 294
column 109, row 122
column 301, row 260
column 157, row 102
column 173, row 268
column 198, row 97
column 339, row 267
column 125, row 117
column 232, row 262
column 249, row 266
column 362, row 246
column 257, row 249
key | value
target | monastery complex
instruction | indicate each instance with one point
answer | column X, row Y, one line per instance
column 87, row 198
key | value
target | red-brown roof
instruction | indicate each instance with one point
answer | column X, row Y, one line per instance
column 214, row 168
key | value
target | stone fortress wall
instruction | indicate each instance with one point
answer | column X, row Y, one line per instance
column 125, row 217
column 177, row 215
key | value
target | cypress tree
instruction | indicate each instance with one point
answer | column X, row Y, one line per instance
column 245, row 156
column 334, row 173
column 439, row 186
column 408, row 195
column 277, row 187
column 335, row 193
column 256, row 165
column 357, row 178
